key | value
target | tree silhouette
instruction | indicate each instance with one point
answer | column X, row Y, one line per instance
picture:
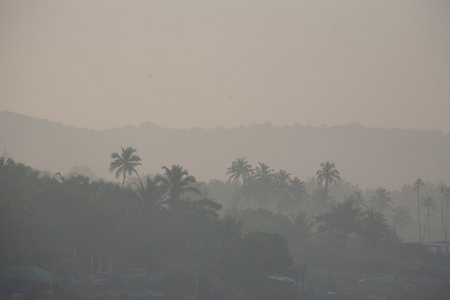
column 264, row 177
column 401, row 218
column 375, row 230
column 125, row 164
column 357, row 197
column 416, row 187
column 151, row 193
column 381, row 200
column 343, row 219
column 442, row 189
column 16, row 175
column 429, row 204
column 175, row 182
column 322, row 198
column 326, row 176
column 281, row 184
column 250, row 191
column 447, row 198
column 240, row 169
column 303, row 226
column 299, row 193
column 6, row 165
column 18, row 216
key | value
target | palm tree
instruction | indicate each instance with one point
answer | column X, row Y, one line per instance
column 416, row 187
column 249, row 191
column 381, row 200
column 343, row 219
column 326, row 176
column 151, row 194
column 16, row 175
column 298, row 192
column 175, row 182
column 375, row 230
column 125, row 164
column 240, row 168
column 447, row 198
column 281, row 182
column 442, row 189
column 263, row 176
column 428, row 203
column 357, row 197
column 321, row 197
column 401, row 218
column 5, row 165
column 303, row 226
column 263, row 171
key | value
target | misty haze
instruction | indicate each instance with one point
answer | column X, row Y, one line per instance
column 226, row 150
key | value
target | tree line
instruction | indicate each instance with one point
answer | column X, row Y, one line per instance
column 262, row 187
column 64, row 222
column 77, row 227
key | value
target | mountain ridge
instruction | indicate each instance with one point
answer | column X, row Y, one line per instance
column 368, row 157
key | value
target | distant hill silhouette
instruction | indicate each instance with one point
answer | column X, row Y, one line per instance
column 369, row 157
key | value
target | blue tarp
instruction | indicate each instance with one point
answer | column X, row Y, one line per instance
column 29, row 273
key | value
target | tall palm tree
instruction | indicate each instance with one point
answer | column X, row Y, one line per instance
column 321, row 197
column 401, row 218
column 250, row 191
column 442, row 189
column 343, row 219
column 428, row 203
column 150, row 193
column 416, row 187
column 381, row 200
column 298, row 192
column 303, row 226
column 125, row 164
column 374, row 228
column 264, row 177
column 175, row 182
column 263, row 171
column 281, row 183
column 240, row 169
column 326, row 176
column 447, row 199
column 357, row 197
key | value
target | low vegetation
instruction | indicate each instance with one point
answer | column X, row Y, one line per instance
column 260, row 222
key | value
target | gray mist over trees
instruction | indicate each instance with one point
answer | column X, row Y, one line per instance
column 231, row 193
column 282, row 165
column 368, row 157
column 259, row 221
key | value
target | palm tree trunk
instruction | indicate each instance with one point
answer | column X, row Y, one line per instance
column 446, row 218
column 325, row 196
column 425, row 227
column 442, row 217
column 418, row 215
column 234, row 195
column 137, row 174
column 424, row 231
column 429, row 229
column 323, row 202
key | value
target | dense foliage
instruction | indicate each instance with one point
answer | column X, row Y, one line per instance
column 258, row 222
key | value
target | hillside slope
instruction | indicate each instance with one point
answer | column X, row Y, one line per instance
column 369, row 157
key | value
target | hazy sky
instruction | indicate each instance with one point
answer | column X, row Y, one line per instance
column 182, row 64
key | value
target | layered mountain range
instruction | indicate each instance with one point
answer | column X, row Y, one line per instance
column 368, row 157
